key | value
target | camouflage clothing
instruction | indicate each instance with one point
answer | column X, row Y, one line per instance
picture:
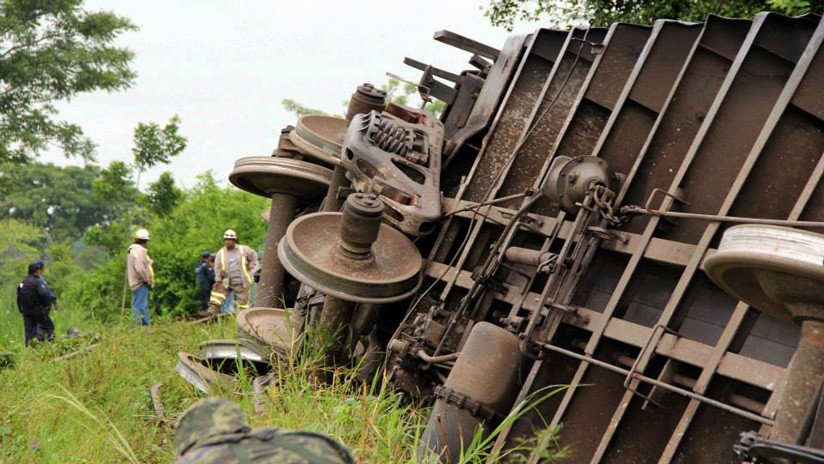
column 215, row 430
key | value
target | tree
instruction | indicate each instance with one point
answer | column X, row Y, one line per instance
column 395, row 93
column 56, row 199
column 18, row 247
column 505, row 13
column 164, row 195
column 51, row 51
column 155, row 145
column 399, row 95
column 299, row 109
column 116, row 190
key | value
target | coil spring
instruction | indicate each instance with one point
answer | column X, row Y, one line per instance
column 391, row 137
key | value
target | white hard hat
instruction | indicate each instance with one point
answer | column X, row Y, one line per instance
column 141, row 234
column 230, row 234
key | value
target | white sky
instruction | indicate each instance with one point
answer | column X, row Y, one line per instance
column 225, row 66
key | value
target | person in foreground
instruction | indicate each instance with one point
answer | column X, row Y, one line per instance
column 215, row 430
column 35, row 301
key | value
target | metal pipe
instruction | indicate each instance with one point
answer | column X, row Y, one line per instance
column 272, row 274
column 437, row 359
column 657, row 383
column 720, row 218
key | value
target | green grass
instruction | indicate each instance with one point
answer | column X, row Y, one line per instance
column 97, row 407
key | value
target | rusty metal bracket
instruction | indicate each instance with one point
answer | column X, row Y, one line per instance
column 607, row 234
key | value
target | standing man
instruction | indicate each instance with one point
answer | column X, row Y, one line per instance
column 205, row 278
column 34, row 301
column 234, row 266
column 141, row 276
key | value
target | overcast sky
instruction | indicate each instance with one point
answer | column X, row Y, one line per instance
column 225, row 66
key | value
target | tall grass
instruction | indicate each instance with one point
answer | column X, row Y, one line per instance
column 97, row 407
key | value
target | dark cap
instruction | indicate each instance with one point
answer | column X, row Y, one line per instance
column 36, row 265
column 205, row 254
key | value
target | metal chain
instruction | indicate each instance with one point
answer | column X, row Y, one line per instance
column 603, row 198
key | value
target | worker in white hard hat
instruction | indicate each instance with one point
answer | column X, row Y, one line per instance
column 141, row 276
column 235, row 265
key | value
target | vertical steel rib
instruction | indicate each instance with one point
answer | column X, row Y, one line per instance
column 710, row 124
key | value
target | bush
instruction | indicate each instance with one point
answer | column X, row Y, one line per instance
column 194, row 226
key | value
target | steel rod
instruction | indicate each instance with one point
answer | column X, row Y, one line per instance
column 657, row 383
column 721, row 218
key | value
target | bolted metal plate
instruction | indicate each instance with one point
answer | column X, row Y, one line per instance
column 209, row 381
column 320, row 136
column 266, row 176
column 269, row 327
column 309, row 254
column 774, row 269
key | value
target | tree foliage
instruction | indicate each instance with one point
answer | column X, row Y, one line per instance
column 505, row 13
column 51, row 51
column 398, row 92
column 163, row 195
column 56, row 199
column 299, row 109
column 18, row 248
column 155, row 145
column 195, row 224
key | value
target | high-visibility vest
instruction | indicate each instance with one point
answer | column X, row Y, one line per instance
column 243, row 263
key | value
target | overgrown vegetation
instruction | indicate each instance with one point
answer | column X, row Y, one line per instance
column 505, row 13
column 105, row 393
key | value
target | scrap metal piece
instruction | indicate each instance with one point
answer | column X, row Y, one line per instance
column 270, row 331
column 330, row 253
column 194, row 371
column 227, row 355
column 400, row 161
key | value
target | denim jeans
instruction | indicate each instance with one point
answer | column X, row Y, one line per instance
column 140, row 305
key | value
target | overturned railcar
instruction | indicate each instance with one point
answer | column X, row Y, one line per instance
column 634, row 213
column 587, row 176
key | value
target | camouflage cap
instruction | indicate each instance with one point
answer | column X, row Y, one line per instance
column 207, row 418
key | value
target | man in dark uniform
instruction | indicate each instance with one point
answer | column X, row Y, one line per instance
column 205, row 278
column 34, row 301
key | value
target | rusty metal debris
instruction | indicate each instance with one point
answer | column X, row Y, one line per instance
column 573, row 206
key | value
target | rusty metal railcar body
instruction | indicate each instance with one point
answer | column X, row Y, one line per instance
column 723, row 118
